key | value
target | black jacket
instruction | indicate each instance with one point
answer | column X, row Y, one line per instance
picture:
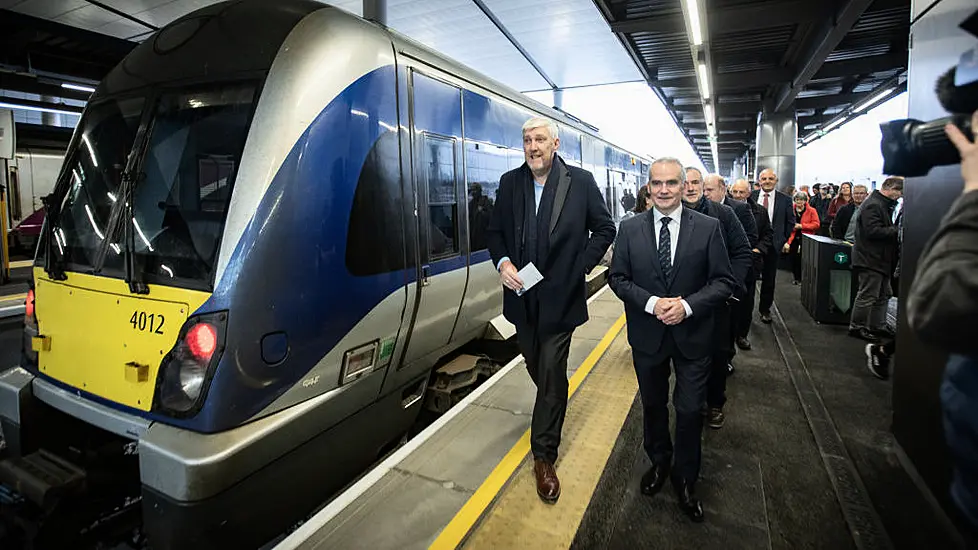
column 841, row 222
column 734, row 238
column 784, row 218
column 765, row 235
column 701, row 274
column 876, row 236
column 746, row 216
column 578, row 208
column 821, row 205
column 942, row 306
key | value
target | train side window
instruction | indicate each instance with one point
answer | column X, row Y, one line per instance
column 484, row 165
column 441, row 182
column 375, row 237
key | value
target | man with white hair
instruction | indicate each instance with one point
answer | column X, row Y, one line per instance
column 544, row 211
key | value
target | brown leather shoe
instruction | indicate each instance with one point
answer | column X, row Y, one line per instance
column 548, row 486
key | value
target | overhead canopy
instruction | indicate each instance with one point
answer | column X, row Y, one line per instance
column 526, row 44
column 820, row 57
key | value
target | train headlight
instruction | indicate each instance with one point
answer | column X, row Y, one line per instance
column 187, row 370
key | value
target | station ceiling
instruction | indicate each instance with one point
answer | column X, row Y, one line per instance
column 820, row 57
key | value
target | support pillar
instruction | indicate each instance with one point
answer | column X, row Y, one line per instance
column 777, row 138
column 376, row 11
column 559, row 98
column 50, row 119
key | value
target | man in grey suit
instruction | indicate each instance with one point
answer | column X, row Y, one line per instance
column 671, row 270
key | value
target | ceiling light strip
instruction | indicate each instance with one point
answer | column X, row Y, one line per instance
column 694, row 22
column 871, row 101
column 77, row 87
column 5, row 105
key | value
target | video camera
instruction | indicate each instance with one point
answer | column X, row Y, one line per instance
column 911, row 147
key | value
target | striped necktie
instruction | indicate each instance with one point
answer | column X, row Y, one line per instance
column 665, row 247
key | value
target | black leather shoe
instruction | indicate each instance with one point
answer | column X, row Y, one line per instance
column 863, row 334
column 654, row 479
column 689, row 504
column 743, row 343
column 883, row 332
column 766, row 318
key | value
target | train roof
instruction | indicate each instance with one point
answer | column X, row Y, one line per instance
column 405, row 45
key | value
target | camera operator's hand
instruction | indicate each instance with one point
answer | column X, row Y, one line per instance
column 969, row 153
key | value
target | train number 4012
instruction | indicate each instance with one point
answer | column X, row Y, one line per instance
column 144, row 322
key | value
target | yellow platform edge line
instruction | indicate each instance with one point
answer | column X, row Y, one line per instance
column 13, row 298
column 460, row 525
column 21, row 263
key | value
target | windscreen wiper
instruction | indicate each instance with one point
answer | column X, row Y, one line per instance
column 133, row 276
column 54, row 264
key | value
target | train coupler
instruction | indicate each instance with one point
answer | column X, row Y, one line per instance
column 42, row 478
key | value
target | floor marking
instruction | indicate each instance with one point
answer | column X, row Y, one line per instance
column 517, row 518
column 344, row 499
column 457, row 529
column 13, row 298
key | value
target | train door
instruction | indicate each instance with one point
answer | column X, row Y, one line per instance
column 436, row 109
column 616, row 183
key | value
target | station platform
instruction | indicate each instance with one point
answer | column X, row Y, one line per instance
column 12, row 293
column 804, row 460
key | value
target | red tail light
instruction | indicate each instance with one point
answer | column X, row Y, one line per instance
column 202, row 341
column 29, row 304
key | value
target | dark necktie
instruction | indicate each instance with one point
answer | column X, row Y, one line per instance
column 665, row 247
column 766, row 195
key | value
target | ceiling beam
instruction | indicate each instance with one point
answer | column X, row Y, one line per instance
column 731, row 81
column 824, row 43
column 28, row 84
column 724, row 109
column 512, row 40
column 826, row 101
column 730, row 20
column 863, row 65
column 43, row 105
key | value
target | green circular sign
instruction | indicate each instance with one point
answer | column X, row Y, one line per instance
column 841, row 258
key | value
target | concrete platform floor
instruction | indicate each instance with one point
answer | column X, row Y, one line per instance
column 763, row 482
column 413, row 501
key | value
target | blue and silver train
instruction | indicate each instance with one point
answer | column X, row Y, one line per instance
column 268, row 229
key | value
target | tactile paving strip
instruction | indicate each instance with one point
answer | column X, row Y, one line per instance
column 519, row 519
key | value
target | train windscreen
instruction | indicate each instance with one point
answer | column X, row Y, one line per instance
column 150, row 206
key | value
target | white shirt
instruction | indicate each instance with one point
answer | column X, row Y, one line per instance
column 772, row 196
column 675, row 218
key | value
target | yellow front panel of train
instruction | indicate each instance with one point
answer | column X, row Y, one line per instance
column 99, row 338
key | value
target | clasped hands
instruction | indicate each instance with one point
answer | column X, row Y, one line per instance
column 670, row 310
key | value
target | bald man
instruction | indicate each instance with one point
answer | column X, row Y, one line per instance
column 782, row 218
column 744, row 310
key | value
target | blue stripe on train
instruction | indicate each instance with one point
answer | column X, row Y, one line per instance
column 288, row 271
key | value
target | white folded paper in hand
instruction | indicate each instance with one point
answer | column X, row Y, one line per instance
column 530, row 276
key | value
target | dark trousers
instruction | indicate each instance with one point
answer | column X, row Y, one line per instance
column 769, row 275
column 546, row 361
column 794, row 250
column 742, row 312
column 869, row 309
column 723, row 353
column 653, row 383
